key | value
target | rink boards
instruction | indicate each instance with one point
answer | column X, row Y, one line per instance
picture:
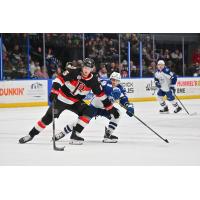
column 25, row 93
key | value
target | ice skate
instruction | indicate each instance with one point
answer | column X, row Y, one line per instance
column 25, row 139
column 178, row 109
column 59, row 136
column 75, row 139
column 165, row 110
column 109, row 138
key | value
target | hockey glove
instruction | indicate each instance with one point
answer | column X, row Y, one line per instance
column 130, row 110
column 114, row 111
column 52, row 97
column 157, row 84
column 116, row 93
column 172, row 88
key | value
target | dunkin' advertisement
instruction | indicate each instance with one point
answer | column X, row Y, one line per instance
column 23, row 92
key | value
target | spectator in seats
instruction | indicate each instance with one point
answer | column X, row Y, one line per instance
column 133, row 71
column 51, row 63
column 22, row 70
column 40, row 73
column 32, row 68
column 144, row 66
column 8, row 69
column 149, row 72
column 196, row 56
column 15, row 56
column 193, row 70
column 103, row 72
column 161, row 54
column 147, row 55
column 176, row 56
column 166, row 55
column 124, row 73
column 113, row 68
column 37, row 55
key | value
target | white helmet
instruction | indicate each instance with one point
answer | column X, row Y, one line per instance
column 116, row 76
column 161, row 62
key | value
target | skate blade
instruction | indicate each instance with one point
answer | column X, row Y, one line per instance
column 164, row 112
column 106, row 140
column 75, row 142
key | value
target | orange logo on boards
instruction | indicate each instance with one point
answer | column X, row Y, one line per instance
column 11, row 91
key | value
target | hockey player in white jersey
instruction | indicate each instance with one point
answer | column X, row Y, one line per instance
column 165, row 81
column 115, row 91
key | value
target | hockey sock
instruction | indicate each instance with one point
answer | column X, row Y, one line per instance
column 163, row 104
column 37, row 128
column 112, row 126
column 81, row 124
column 68, row 128
column 174, row 103
column 113, row 123
column 161, row 101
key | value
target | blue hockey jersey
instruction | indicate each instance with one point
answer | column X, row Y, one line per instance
column 114, row 94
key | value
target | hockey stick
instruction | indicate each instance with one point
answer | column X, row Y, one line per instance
column 54, row 141
column 151, row 129
column 147, row 126
column 184, row 106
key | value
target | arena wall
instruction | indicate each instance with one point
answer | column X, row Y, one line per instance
column 25, row 93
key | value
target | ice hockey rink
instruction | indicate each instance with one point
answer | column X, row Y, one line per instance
column 137, row 145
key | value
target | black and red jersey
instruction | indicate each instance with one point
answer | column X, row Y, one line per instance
column 71, row 87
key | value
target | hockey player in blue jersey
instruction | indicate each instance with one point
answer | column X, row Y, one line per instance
column 165, row 81
column 115, row 91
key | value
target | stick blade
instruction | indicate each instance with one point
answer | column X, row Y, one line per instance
column 55, row 148
column 194, row 113
column 59, row 148
column 166, row 141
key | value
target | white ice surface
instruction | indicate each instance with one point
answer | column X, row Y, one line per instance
column 137, row 145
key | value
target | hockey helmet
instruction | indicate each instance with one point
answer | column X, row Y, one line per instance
column 161, row 62
column 116, row 76
column 88, row 62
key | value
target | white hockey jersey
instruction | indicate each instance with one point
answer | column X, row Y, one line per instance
column 165, row 78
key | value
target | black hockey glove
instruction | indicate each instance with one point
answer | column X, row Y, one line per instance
column 52, row 97
column 114, row 111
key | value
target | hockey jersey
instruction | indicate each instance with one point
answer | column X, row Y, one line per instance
column 116, row 93
column 165, row 78
column 71, row 87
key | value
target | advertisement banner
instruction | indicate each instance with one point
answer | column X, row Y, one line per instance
column 23, row 93
column 145, row 90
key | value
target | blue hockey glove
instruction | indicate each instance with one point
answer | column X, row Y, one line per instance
column 172, row 88
column 130, row 110
column 116, row 93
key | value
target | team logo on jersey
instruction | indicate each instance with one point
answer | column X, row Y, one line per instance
column 81, row 86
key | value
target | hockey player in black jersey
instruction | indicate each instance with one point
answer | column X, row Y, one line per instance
column 68, row 91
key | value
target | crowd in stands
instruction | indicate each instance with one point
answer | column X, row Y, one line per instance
column 21, row 62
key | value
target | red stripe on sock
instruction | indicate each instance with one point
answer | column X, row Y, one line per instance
column 42, row 125
column 84, row 119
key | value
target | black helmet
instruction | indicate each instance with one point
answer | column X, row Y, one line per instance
column 88, row 62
